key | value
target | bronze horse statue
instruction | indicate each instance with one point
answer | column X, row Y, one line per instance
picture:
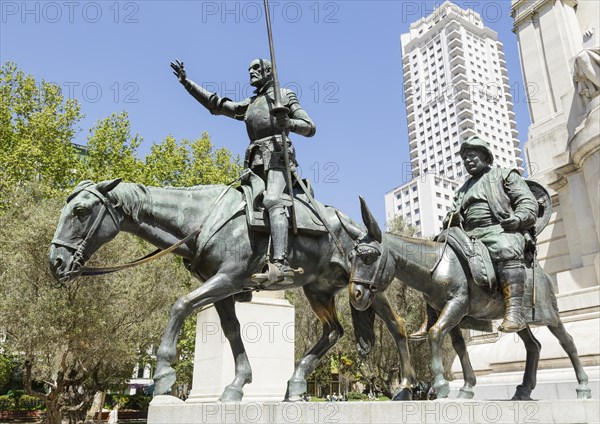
column 441, row 276
column 95, row 213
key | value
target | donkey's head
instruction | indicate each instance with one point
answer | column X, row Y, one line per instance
column 367, row 259
column 87, row 222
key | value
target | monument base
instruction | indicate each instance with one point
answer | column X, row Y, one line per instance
column 171, row 410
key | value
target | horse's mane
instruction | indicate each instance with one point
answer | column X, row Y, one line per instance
column 135, row 199
column 132, row 198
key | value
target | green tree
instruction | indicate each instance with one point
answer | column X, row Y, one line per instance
column 111, row 151
column 6, row 368
column 85, row 337
column 189, row 163
column 399, row 225
column 37, row 126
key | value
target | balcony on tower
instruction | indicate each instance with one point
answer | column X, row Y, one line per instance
column 464, row 112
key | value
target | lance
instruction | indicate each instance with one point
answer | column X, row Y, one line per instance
column 279, row 109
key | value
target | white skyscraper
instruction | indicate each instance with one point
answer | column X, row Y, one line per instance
column 456, row 86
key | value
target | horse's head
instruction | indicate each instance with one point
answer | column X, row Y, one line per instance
column 87, row 221
column 367, row 259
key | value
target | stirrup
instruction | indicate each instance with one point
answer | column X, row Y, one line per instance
column 510, row 326
column 276, row 273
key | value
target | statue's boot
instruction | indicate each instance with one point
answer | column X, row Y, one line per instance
column 279, row 271
column 422, row 332
column 512, row 279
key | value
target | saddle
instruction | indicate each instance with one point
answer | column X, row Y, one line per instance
column 307, row 220
column 539, row 300
column 474, row 253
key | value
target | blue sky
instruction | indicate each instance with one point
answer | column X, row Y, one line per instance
column 343, row 58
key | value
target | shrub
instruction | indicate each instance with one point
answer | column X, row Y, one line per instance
column 30, row 403
column 20, row 402
column 357, row 396
column 6, row 403
column 139, row 402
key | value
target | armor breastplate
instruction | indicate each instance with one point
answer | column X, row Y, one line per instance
column 259, row 122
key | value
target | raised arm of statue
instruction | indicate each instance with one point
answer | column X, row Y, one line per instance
column 215, row 104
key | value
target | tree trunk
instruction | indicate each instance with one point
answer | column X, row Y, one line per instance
column 53, row 414
column 96, row 407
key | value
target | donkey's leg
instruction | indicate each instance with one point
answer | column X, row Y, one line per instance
column 396, row 327
column 448, row 319
column 566, row 342
column 214, row 289
column 458, row 343
column 533, row 347
column 231, row 328
column 323, row 305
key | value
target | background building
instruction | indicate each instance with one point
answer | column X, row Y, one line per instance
column 456, row 86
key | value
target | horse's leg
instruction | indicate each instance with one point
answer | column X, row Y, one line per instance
column 396, row 327
column 533, row 347
column 231, row 328
column 214, row 289
column 449, row 318
column 566, row 342
column 458, row 343
column 323, row 305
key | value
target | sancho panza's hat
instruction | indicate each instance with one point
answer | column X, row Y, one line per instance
column 477, row 143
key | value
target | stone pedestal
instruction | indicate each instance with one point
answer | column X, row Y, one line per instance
column 170, row 410
column 267, row 329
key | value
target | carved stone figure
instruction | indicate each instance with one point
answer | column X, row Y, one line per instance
column 264, row 155
column 587, row 73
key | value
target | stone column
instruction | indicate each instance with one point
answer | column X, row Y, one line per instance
column 267, row 329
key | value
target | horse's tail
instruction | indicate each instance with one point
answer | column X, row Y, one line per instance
column 364, row 329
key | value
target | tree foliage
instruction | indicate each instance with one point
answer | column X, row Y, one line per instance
column 7, row 365
column 401, row 226
column 37, row 126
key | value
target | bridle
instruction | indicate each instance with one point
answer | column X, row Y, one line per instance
column 79, row 248
column 371, row 285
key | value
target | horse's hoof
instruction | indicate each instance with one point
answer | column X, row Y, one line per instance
column 584, row 393
column 404, row 393
column 296, row 388
column 164, row 380
column 232, row 394
column 522, row 393
column 465, row 394
column 441, row 388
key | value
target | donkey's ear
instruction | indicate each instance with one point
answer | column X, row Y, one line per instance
column 372, row 226
column 105, row 186
column 353, row 231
